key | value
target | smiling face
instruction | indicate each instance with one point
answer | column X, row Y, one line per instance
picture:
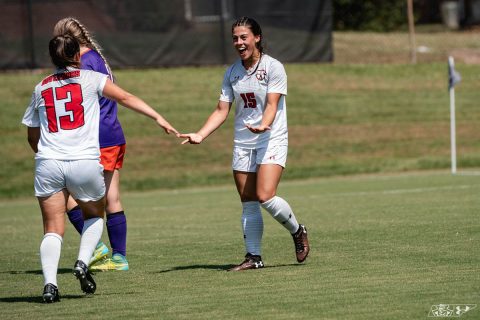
column 245, row 42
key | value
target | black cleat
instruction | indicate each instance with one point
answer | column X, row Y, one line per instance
column 302, row 248
column 80, row 270
column 50, row 293
column 250, row 262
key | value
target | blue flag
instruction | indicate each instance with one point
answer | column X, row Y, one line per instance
column 453, row 75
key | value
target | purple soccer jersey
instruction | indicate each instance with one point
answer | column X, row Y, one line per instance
column 111, row 133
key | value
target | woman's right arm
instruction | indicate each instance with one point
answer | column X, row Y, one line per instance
column 214, row 121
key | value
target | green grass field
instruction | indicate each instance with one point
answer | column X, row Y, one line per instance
column 383, row 247
column 397, row 237
column 343, row 119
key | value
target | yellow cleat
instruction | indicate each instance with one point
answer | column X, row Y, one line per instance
column 116, row 262
column 100, row 253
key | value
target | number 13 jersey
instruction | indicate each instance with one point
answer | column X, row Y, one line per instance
column 65, row 106
column 249, row 89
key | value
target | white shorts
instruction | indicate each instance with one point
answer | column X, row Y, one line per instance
column 83, row 179
column 247, row 160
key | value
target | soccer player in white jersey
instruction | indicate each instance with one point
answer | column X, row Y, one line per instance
column 63, row 125
column 257, row 83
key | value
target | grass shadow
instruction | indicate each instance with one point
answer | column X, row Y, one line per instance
column 223, row 267
column 38, row 299
column 59, row 271
column 284, row 265
column 198, row 266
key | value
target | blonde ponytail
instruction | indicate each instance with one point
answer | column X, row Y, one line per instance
column 77, row 30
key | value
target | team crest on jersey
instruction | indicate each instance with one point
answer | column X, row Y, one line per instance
column 261, row 74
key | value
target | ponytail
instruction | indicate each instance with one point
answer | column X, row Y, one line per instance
column 64, row 51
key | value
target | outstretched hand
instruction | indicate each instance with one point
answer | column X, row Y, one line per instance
column 167, row 127
column 259, row 129
column 169, row 130
column 192, row 138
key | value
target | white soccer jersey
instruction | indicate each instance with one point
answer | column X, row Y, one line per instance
column 249, row 88
column 65, row 107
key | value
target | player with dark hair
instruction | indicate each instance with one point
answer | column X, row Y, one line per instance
column 112, row 150
column 258, row 85
column 63, row 130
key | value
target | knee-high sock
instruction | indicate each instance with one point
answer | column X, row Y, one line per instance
column 91, row 234
column 76, row 218
column 281, row 211
column 50, row 250
column 117, row 232
column 252, row 225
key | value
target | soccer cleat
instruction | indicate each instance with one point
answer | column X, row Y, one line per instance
column 101, row 251
column 116, row 262
column 300, row 239
column 50, row 293
column 250, row 262
column 80, row 270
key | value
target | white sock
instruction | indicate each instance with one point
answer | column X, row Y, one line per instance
column 50, row 250
column 281, row 211
column 91, row 234
column 252, row 226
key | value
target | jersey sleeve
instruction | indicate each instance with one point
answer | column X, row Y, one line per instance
column 98, row 80
column 31, row 117
column 227, row 90
column 277, row 80
column 103, row 81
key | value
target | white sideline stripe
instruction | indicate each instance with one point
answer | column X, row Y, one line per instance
column 342, row 194
column 394, row 191
column 468, row 173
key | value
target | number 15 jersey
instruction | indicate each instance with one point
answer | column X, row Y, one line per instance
column 65, row 106
column 249, row 89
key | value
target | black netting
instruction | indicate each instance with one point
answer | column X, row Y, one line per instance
column 146, row 33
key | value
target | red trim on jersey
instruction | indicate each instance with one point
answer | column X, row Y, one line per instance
column 61, row 76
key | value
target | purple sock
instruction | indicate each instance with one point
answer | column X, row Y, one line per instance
column 75, row 216
column 117, row 232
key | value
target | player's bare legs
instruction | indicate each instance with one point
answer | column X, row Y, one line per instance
column 112, row 184
column 268, row 178
column 53, row 215
column 53, row 212
column 116, row 225
column 246, row 185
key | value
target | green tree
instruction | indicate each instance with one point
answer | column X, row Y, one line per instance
column 372, row 15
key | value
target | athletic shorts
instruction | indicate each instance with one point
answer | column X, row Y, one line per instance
column 247, row 160
column 112, row 157
column 83, row 179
